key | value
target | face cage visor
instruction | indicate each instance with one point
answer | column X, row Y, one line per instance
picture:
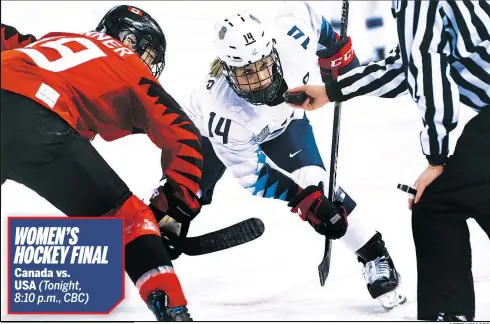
column 258, row 82
column 147, row 47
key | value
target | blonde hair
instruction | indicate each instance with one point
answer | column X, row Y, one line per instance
column 216, row 68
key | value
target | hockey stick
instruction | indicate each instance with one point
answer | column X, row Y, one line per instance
column 324, row 266
column 225, row 238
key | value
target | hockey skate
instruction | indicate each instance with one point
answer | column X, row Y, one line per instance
column 380, row 274
column 448, row 317
column 158, row 304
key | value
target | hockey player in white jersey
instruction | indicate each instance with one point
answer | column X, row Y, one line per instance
column 268, row 146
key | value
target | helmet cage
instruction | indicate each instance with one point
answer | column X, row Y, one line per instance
column 143, row 40
column 246, row 91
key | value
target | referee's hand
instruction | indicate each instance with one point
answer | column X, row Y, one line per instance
column 316, row 97
column 425, row 179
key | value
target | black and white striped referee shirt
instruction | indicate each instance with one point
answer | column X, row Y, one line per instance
column 442, row 59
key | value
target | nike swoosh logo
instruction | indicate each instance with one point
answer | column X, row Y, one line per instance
column 292, row 155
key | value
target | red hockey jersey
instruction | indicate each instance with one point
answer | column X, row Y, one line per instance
column 100, row 86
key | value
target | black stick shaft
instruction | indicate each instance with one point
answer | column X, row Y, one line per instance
column 324, row 267
column 336, row 115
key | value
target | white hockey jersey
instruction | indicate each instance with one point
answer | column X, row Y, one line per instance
column 236, row 128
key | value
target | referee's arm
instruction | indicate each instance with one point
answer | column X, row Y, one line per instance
column 384, row 78
column 425, row 47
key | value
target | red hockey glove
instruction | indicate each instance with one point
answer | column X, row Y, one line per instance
column 341, row 62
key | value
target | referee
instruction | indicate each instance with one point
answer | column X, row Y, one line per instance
column 442, row 60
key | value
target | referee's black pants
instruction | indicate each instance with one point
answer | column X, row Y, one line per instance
column 440, row 231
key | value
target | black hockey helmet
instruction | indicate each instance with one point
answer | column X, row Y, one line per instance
column 140, row 31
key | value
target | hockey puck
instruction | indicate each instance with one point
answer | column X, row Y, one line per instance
column 411, row 191
column 295, row 98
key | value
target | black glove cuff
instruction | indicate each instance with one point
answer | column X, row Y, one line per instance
column 159, row 215
column 177, row 209
column 333, row 91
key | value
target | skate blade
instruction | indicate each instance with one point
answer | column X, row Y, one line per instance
column 391, row 300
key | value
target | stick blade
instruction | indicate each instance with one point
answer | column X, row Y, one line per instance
column 222, row 239
column 324, row 266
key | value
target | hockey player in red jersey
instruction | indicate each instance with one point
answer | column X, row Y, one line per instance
column 12, row 39
column 60, row 91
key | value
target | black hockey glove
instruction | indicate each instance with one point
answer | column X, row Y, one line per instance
column 322, row 228
column 323, row 215
column 176, row 201
column 174, row 210
column 169, row 229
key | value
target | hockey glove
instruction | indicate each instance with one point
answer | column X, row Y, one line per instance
column 174, row 210
column 344, row 60
column 323, row 215
column 322, row 228
column 170, row 228
column 176, row 201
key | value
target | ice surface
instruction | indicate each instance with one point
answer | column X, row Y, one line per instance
column 274, row 277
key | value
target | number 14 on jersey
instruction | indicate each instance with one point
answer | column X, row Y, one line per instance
column 219, row 130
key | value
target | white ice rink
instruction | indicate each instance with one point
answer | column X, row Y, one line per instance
column 274, row 277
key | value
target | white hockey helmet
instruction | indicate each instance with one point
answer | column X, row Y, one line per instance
column 242, row 44
column 241, row 40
